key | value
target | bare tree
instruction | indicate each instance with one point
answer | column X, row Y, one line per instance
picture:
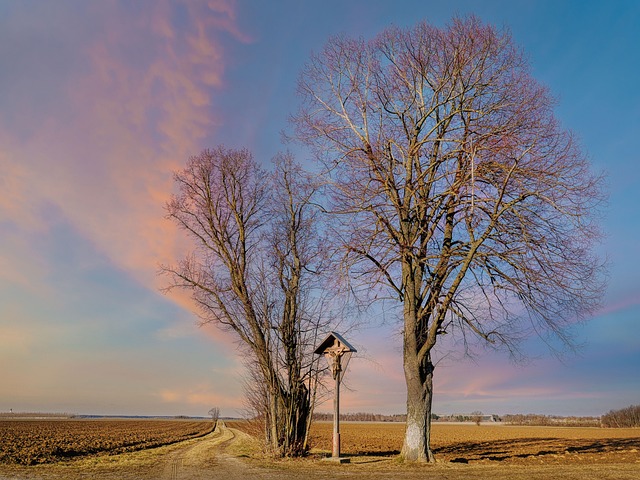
column 215, row 414
column 476, row 417
column 460, row 192
column 624, row 418
column 258, row 270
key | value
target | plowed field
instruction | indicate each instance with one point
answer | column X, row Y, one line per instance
column 490, row 443
column 31, row 442
column 463, row 452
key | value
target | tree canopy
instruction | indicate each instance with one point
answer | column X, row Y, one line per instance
column 460, row 191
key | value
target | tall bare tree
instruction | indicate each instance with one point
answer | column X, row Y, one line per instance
column 258, row 270
column 460, row 191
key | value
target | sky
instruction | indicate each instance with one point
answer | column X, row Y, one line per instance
column 100, row 101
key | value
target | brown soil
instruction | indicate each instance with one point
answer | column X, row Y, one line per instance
column 491, row 443
column 31, row 442
column 462, row 451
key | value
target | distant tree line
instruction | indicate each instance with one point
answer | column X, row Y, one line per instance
column 398, row 417
column 12, row 414
column 475, row 417
column 548, row 420
column 626, row 417
column 361, row 417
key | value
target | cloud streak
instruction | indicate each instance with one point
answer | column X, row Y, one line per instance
column 133, row 105
column 103, row 101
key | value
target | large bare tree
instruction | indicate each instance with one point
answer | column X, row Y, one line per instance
column 460, row 191
column 258, row 269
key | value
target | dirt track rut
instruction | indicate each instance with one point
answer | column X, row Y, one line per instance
column 206, row 459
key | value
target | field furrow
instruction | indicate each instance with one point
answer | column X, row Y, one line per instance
column 32, row 442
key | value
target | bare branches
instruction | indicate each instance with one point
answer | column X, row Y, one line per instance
column 462, row 168
column 462, row 194
column 259, row 268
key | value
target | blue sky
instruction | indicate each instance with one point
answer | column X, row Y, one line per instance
column 102, row 100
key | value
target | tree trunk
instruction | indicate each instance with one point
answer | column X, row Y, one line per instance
column 419, row 377
column 273, row 412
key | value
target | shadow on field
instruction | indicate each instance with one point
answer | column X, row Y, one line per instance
column 501, row 450
column 376, row 453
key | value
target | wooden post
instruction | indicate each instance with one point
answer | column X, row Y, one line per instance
column 335, row 349
column 336, row 412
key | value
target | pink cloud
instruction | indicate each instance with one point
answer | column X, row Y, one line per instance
column 202, row 398
column 15, row 340
column 621, row 304
column 205, row 395
column 130, row 109
column 136, row 109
